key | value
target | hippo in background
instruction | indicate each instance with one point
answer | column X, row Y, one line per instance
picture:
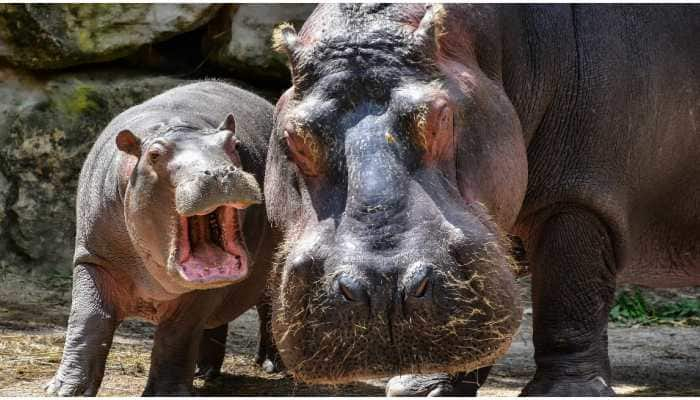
column 170, row 229
column 415, row 138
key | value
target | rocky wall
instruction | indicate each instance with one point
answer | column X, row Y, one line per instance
column 67, row 70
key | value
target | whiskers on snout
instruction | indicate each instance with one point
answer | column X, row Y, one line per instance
column 468, row 322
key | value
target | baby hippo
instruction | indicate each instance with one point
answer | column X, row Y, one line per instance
column 169, row 230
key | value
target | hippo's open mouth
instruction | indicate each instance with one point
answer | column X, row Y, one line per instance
column 211, row 247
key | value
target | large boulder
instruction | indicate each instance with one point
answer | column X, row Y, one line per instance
column 47, row 126
column 54, row 36
column 240, row 39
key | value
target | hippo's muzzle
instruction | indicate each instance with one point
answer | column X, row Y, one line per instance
column 209, row 248
column 214, row 188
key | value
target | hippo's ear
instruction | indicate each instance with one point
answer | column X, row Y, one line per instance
column 284, row 38
column 228, row 124
column 426, row 36
column 129, row 143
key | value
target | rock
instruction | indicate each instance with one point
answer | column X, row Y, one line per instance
column 4, row 192
column 55, row 36
column 240, row 38
column 46, row 129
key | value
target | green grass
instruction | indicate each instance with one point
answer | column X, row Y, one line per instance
column 632, row 307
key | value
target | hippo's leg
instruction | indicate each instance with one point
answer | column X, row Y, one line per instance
column 89, row 335
column 212, row 350
column 573, row 286
column 461, row 384
column 268, row 356
column 176, row 344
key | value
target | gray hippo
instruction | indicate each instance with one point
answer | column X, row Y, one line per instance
column 169, row 229
column 415, row 139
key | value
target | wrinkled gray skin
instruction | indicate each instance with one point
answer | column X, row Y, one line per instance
column 576, row 127
column 182, row 153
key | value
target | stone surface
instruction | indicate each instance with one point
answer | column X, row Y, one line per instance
column 54, row 36
column 46, row 129
column 4, row 192
column 240, row 38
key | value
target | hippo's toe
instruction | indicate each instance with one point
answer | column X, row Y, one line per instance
column 419, row 385
column 64, row 388
column 567, row 388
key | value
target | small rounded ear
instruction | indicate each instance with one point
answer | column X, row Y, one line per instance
column 228, row 124
column 129, row 143
column 284, row 38
column 429, row 30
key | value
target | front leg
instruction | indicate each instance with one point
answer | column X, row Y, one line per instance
column 176, row 343
column 573, row 286
column 91, row 327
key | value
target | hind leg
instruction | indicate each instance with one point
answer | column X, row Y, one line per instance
column 212, row 349
column 268, row 356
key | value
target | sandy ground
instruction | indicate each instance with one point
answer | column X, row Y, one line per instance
column 648, row 361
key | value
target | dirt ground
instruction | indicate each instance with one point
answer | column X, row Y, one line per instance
column 647, row 361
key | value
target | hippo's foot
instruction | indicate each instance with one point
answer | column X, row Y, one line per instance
column 460, row 384
column 428, row 385
column 207, row 372
column 269, row 363
column 419, row 385
column 567, row 388
column 65, row 387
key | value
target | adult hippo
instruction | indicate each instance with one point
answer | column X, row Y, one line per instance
column 414, row 137
column 166, row 223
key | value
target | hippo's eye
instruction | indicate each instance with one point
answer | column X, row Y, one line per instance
column 304, row 149
column 235, row 142
column 153, row 156
column 155, row 153
column 434, row 123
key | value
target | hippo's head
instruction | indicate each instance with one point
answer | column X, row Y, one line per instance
column 395, row 164
column 183, row 205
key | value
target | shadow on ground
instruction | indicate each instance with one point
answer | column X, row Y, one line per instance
column 246, row 385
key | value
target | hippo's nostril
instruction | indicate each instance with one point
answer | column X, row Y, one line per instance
column 352, row 289
column 346, row 292
column 207, row 172
column 417, row 280
column 422, row 287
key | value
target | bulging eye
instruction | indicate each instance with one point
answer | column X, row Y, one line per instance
column 153, row 156
column 232, row 146
column 235, row 142
column 443, row 114
column 435, row 130
column 304, row 149
column 155, row 153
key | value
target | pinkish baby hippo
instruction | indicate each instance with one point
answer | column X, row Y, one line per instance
column 170, row 230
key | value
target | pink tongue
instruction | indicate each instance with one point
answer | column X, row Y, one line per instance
column 208, row 261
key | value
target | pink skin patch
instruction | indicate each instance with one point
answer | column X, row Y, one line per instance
column 210, row 247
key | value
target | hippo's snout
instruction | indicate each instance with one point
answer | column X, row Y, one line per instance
column 421, row 309
column 212, row 188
